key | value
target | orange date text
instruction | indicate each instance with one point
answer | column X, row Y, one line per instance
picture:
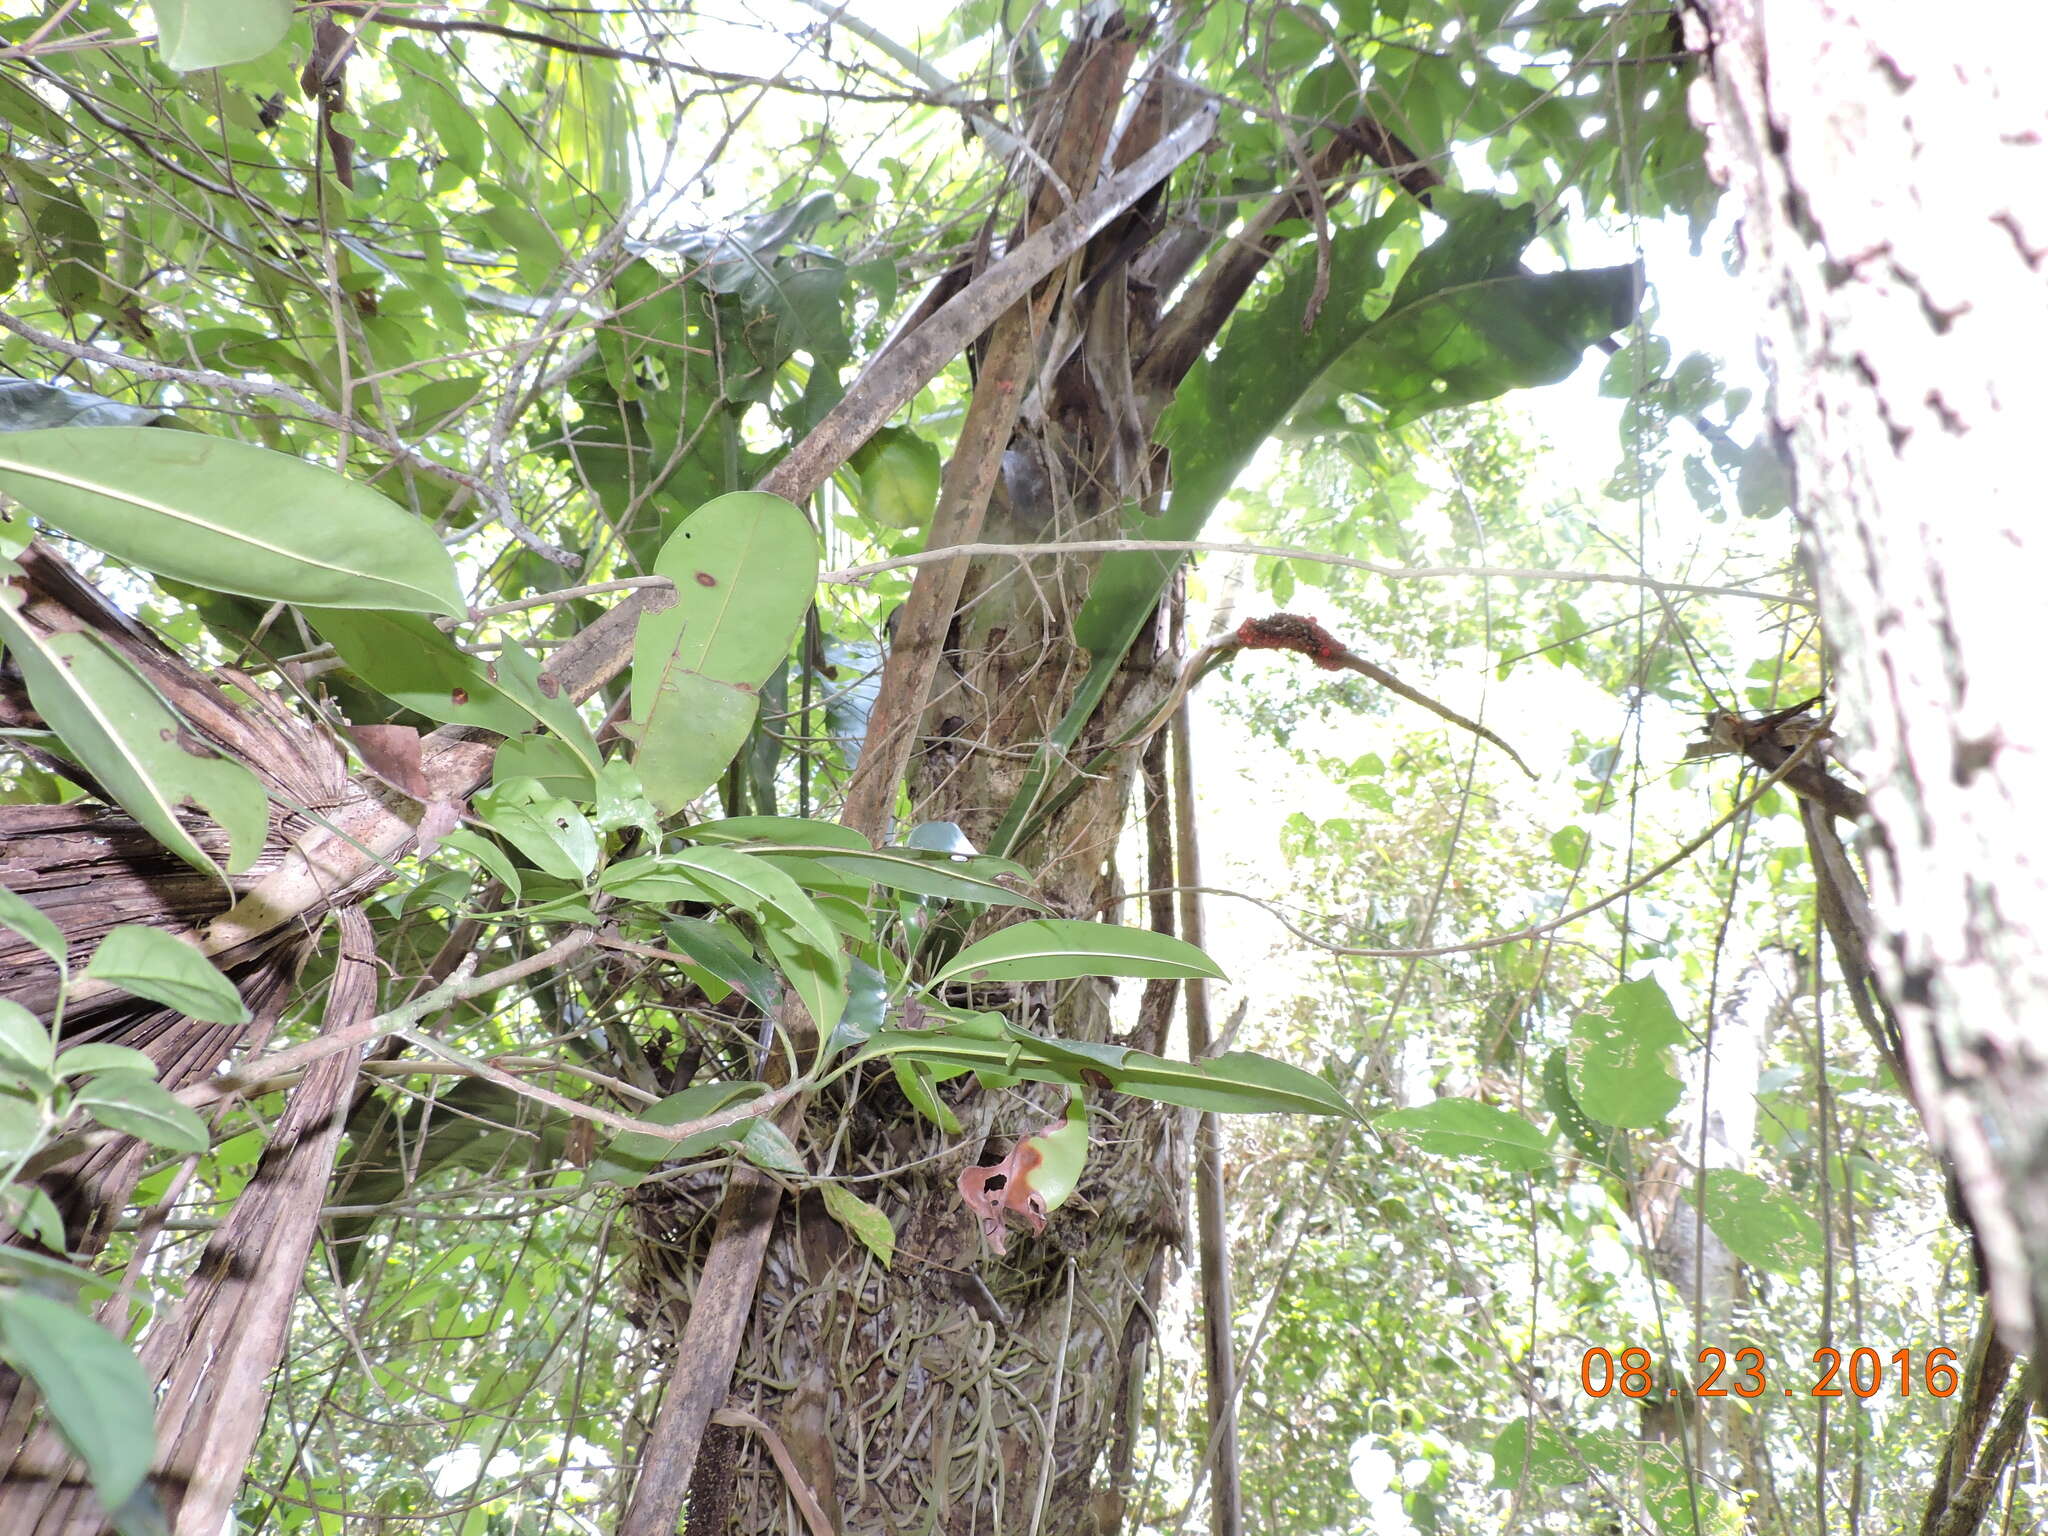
column 1746, row 1373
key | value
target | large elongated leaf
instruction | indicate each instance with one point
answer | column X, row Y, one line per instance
column 1240, row 1082
column 1464, row 325
column 26, row 406
column 1055, row 949
column 633, row 1155
column 922, row 874
column 800, row 938
column 230, row 517
column 775, row 829
column 744, row 567
column 131, row 741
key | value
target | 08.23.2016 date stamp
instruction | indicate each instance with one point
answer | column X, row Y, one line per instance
column 1746, row 1373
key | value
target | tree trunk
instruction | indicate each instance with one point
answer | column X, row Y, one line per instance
column 1893, row 180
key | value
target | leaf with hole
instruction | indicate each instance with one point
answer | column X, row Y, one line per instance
column 230, row 517
column 744, row 567
column 1617, row 1060
column 405, row 658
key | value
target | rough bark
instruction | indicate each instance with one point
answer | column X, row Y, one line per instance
column 1892, row 175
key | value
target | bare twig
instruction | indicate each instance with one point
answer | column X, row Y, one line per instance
column 857, row 575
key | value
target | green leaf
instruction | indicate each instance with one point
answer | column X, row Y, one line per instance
column 552, row 833
column 1681, row 1503
column 26, row 405
column 1616, row 1060
column 20, row 1264
column 136, row 1103
column 205, row 34
column 21, row 1127
column 96, row 1392
column 1761, row 1225
column 152, row 964
column 1551, row 1460
column 486, row 853
column 32, row 923
column 1568, row 846
column 83, row 1060
column 931, row 875
column 25, row 1043
column 744, row 567
column 132, row 742
column 1468, row 1128
column 725, row 956
column 230, row 517
column 65, row 239
column 633, row 1155
column 799, row 937
column 915, row 1079
column 550, row 763
column 867, row 1222
column 899, row 478
column 405, row 658
column 1462, row 326
column 30, row 1211
column 1054, row 949
column 1238, row 1082
column 1596, row 1143
column 775, row 829
column 766, row 1145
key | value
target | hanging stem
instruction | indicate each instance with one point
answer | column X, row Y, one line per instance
column 1226, row 1501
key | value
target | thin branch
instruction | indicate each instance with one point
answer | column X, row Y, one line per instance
column 1499, row 940
column 859, row 575
column 264, row 389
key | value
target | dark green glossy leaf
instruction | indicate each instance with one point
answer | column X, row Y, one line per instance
column 1054, row 949
column 633, row 1155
